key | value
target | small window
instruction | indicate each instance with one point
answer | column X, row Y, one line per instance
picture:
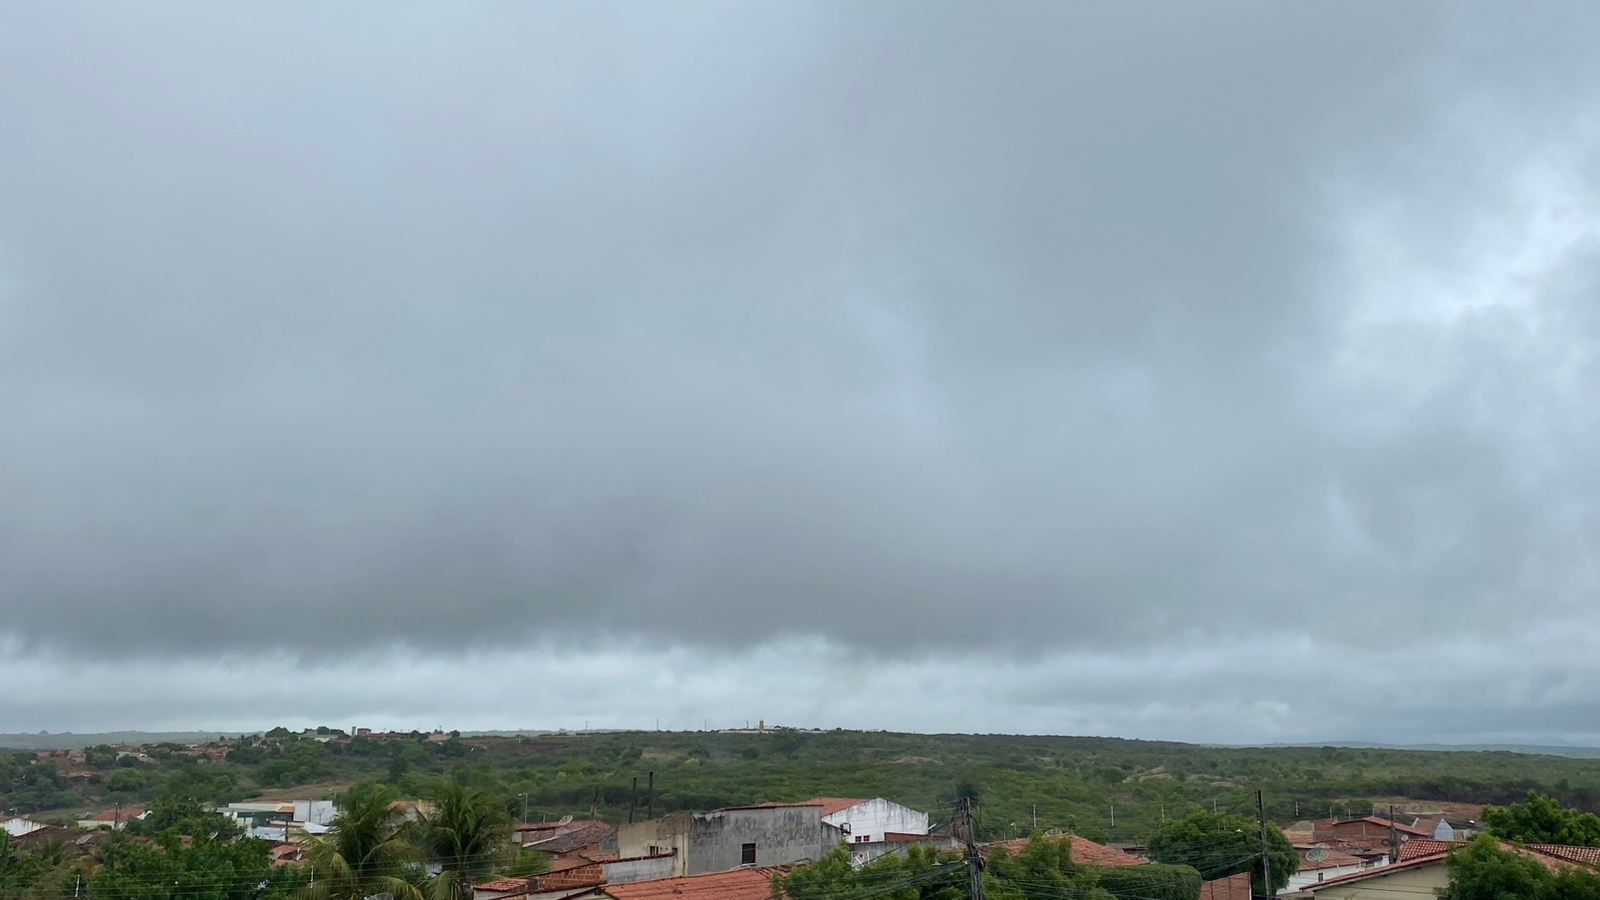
column 654, row 850
column 747, row 855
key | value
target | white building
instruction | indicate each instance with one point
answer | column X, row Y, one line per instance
column 870, row 821
column 17, row 826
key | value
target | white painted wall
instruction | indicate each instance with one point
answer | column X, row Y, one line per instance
column 18, row 826
column 1300, row 880
column 870, row 820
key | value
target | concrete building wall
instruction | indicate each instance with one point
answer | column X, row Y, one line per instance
column 870, row 821
column 780, row 835
column 667, row 834
column 644, row 868
column 1402, row 884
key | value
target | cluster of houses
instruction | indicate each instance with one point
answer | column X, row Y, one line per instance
column 729, row 853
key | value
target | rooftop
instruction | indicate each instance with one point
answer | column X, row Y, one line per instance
column 738, row 884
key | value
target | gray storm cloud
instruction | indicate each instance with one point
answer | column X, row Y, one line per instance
column 905, row 326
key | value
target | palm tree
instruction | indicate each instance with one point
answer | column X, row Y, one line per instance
column 467, row 834
column 365, row 852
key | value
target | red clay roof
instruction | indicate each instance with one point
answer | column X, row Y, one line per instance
column 1332, row 825
column 831, row 805
column 562, row 865
column 1419, row 847
column 503, row 884
column 1589, row 856
column 738, row 884
column 1084, row 851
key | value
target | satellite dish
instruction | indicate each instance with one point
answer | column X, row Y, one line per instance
column 1316, row 854
column 565, row 820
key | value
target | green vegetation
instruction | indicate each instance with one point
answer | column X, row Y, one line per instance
column 1484, row 871
column 1042, row 870
column 1219, row 845
column 1541, row 819
column 1019, row 781
column 365, row 853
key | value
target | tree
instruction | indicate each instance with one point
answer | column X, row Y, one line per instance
column 468, row 833
column 185, row 816
column 131, row 869
column 1487, row 870
column 364, row 852
column 100, row 756
column 1540, row 819
column 1219, row 845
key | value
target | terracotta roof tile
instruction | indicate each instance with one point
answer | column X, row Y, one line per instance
column 1421, row 847
column 503, row 884
column 1084, row 851
column 1589, row 856
column 831, row 805
column 738, row 884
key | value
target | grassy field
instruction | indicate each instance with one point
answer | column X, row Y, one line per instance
column 1071, row 783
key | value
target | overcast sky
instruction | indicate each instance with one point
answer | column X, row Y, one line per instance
column 1218, row 372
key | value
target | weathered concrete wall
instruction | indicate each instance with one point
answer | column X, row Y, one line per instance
column 781, row 835
column 667, row 834
column 623, row 871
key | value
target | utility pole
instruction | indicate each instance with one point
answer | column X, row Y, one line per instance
column 633, row 799
column 524, row 807
column 974, row 861
column 1394, row 839
column 1113, row 815
column 1036, row 817
column 650, row 798
column 1266, row 868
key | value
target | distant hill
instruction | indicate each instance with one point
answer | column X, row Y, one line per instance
column 70, row 741
column 1537, row 749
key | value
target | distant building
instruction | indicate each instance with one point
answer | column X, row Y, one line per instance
column 116, row 817
column 1084, row 852
column 17, row 826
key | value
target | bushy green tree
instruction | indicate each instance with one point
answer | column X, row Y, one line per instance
column 1540, row 819
column 1218, row 845
column 1484, row 870
column 922, row 874
column 185, row 816
column 166, row 869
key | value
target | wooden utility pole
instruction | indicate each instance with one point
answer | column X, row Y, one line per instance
column 633, row 799
column 650, row 798
column 974, row 861
column 1266, row 868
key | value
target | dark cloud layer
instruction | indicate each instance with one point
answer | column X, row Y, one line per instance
column 1035, row 326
